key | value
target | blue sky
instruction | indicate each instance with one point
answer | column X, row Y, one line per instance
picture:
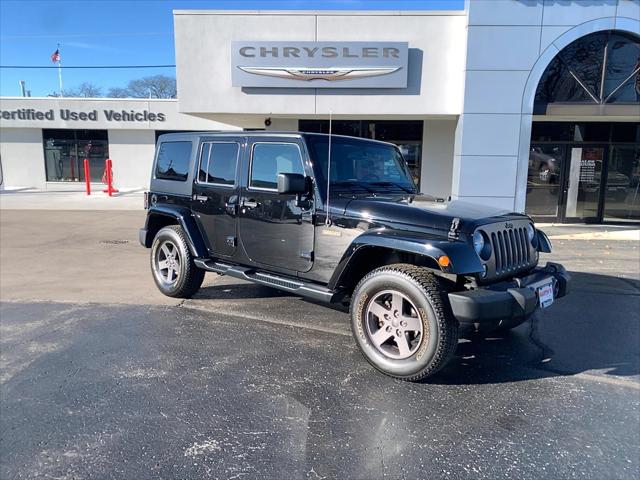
column 125, row 32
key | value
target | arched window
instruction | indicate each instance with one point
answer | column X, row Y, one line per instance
column 600, row 68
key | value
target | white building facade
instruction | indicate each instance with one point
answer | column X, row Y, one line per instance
column 530, row 105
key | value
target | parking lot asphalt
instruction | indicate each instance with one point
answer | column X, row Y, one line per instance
column 102, row 377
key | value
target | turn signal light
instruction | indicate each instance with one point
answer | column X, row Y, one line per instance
column 444, row 261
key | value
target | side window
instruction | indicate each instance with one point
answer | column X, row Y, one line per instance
column 218, row 163
column 204, row 161
column 173, row 161
column 270, row 159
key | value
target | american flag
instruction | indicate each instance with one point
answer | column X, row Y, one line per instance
column 55, row 56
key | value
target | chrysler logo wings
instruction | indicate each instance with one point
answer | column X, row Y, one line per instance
column 330, row 74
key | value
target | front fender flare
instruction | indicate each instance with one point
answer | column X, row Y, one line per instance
column 184, row 218
column 462, row 256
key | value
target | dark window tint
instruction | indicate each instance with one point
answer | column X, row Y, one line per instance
column 218, row 163
column 65, row 151
column 622, row 77
column 173, row 161
column 626, row 132
column 204, row 162
column 269, row 159
column 603, row 67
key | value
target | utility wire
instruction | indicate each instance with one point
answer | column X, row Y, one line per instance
column 67, row 67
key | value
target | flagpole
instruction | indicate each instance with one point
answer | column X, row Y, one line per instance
column 60, row 71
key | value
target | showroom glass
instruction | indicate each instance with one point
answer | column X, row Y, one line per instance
column 357, row 165
column 65, row 151
column 173, row 161
column 583, row 182
column 596, row 171
column 406, row 134
column 270, row 159
column 218, row 163
column 543, row 179
column 622, row 197
column 600, row 68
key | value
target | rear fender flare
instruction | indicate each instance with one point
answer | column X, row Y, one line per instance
column 182, row 217
column 461, row 255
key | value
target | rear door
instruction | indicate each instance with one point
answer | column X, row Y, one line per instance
column 275, row 230
column 215, row 193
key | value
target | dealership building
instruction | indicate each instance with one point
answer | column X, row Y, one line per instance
column 528, row 105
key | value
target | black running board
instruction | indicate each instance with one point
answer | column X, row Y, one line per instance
column 288, row 284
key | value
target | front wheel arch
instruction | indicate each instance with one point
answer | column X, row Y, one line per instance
column 367, row 258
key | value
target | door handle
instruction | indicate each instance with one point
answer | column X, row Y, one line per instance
column 250, row 203
column 200, row 198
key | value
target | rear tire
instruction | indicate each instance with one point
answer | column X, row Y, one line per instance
column 402, row 321
column 174, row 271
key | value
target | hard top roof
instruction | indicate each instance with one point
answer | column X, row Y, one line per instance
column 262, row 133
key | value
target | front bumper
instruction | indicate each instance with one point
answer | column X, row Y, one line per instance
column 516, row 298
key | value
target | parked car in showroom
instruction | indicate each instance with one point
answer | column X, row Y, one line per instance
column 339, row 220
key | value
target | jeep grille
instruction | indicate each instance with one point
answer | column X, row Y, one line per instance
column 511, row 251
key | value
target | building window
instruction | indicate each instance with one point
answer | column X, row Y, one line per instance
column 600, row 68
column 406, row 134
column 65, row 151
column 587, row 171
column 173, row 161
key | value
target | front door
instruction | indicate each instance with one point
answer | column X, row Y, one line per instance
column 215, row 194
column 275, row 230
column 583, row 184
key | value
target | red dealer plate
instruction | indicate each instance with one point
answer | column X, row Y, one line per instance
column 545, row 294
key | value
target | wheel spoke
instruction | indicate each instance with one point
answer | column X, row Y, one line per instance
column 378, row 310
column 381, row 336
column 414, row 324
column 165, row 250
column 396, row 302
column 403, row 345
column 170, row 274
column 162, row 264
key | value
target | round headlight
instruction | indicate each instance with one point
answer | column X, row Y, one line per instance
column 478, row 242
column 481, row 245
column 531, row 233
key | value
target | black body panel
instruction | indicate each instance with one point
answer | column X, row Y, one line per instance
column 242, row 225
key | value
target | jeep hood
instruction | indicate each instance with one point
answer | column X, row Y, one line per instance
column 426, row 211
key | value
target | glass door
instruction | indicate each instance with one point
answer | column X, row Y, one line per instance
column 544, row 188
column 582, row 184
column 622, row 195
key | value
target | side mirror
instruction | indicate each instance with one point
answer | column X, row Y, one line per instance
column 292, row 183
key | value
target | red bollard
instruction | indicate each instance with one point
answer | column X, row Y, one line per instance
column 108, row 177
column 87, row 176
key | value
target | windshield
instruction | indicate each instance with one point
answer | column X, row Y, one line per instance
column 359, row 166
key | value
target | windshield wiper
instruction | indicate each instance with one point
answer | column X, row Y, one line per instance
column 353, row 183
column 393, row 184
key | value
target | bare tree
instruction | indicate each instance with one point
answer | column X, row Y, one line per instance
column 156, row 86
column 118, row 92
column 85, row 90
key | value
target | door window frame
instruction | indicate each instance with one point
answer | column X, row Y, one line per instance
column 250, row 173
column 199, row 164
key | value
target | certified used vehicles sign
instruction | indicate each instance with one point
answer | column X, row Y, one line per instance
column 319, row 64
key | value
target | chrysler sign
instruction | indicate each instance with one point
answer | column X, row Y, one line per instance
column 319, row 64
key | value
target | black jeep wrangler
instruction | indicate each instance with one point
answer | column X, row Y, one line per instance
column 339, row 220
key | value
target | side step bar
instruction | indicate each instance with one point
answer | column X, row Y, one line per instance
column 288, row 284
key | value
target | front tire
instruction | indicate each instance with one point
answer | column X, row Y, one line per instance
column 174, row 271
column 402, row 322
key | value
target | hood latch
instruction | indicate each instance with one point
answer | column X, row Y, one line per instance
column 454, row 232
